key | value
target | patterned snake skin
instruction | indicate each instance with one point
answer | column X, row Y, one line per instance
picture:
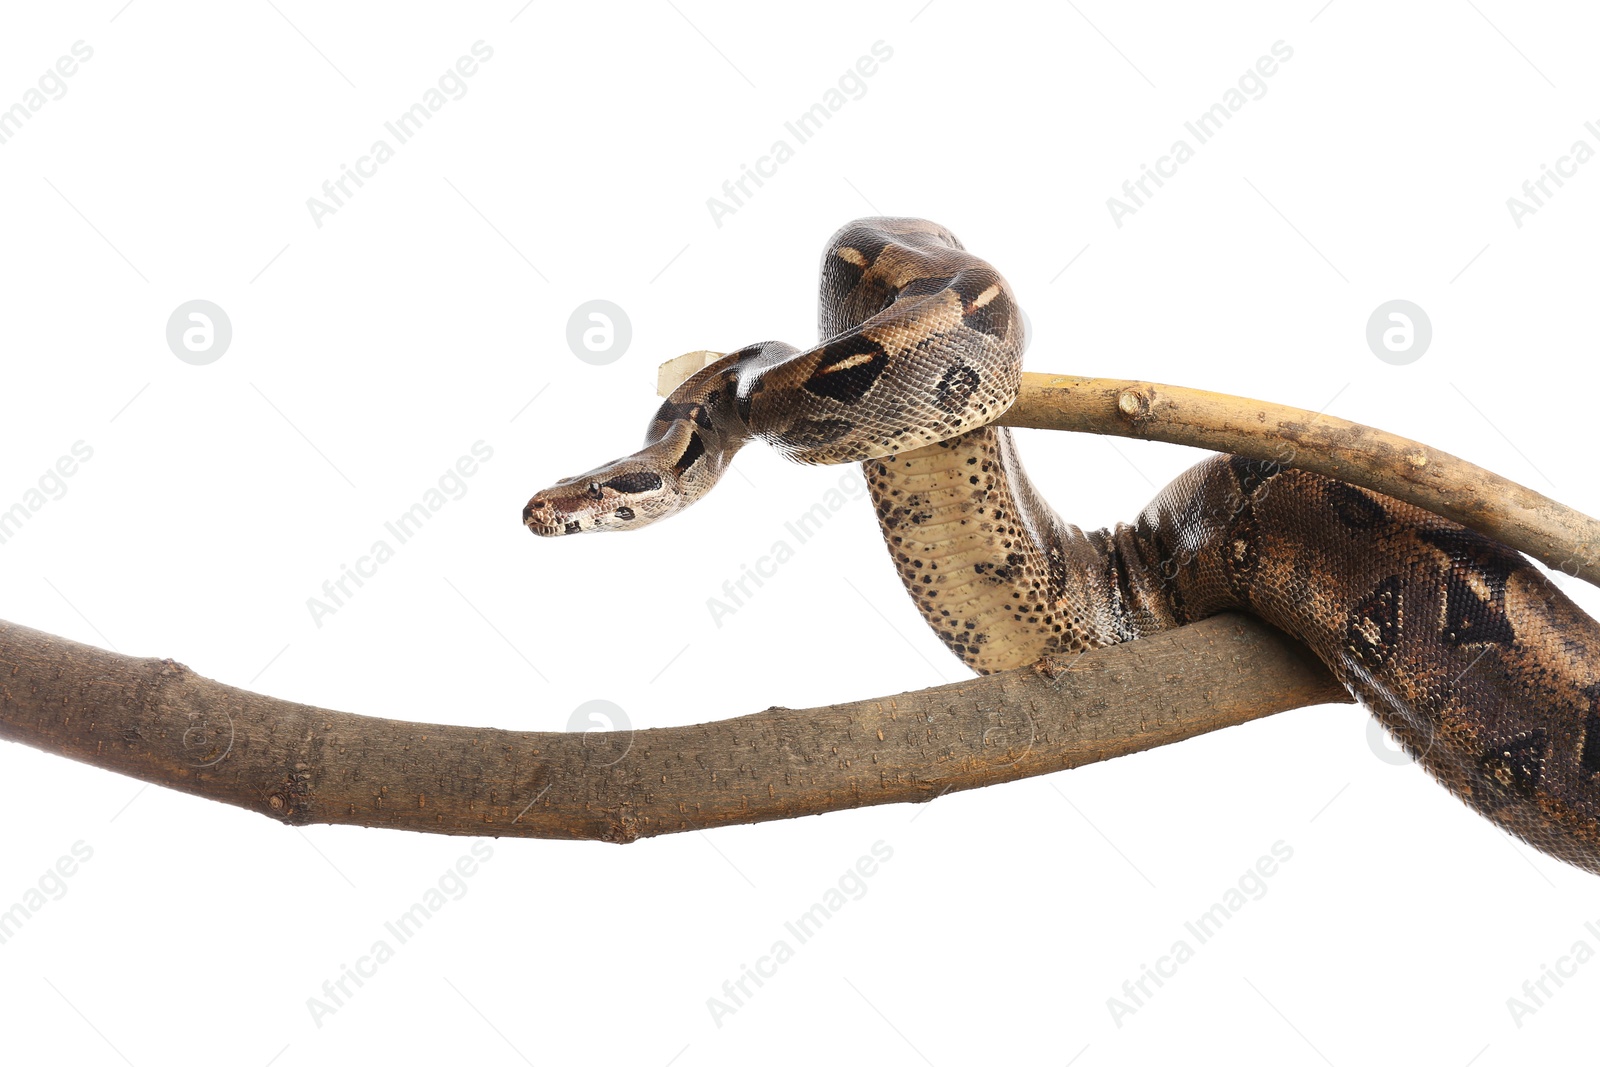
column 1462, row 649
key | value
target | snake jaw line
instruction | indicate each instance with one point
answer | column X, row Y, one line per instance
column 624, row 494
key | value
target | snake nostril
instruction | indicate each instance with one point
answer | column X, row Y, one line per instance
column 625, row 514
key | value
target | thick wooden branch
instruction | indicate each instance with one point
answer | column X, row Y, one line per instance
column 158, row 721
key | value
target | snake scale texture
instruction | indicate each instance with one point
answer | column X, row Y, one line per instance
column 1471, row 658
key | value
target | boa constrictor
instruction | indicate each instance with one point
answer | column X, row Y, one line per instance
column 1475, row 662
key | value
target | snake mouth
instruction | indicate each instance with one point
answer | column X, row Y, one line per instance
column 550, row 519
column 587, row 505
column 546, row 520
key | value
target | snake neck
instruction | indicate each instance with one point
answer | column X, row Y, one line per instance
column 691, row 442
column 1000, row 578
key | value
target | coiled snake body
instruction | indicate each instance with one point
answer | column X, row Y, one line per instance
column 1476, row 663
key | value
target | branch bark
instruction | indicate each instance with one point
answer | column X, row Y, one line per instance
column 1528, row 521
column 1552, row 533
column 160, row 722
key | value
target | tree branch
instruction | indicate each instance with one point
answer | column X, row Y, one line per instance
column 158, row 721
column 1513, row 514
column 1528, row 521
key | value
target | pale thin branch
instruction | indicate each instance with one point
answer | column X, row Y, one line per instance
column 1436, row 481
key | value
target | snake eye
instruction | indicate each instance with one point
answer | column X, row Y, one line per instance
column 594, row 490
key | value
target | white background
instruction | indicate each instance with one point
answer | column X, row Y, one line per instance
column 429, row 310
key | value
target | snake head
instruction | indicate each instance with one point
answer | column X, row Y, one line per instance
column 621, row 495
column 682, row 459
